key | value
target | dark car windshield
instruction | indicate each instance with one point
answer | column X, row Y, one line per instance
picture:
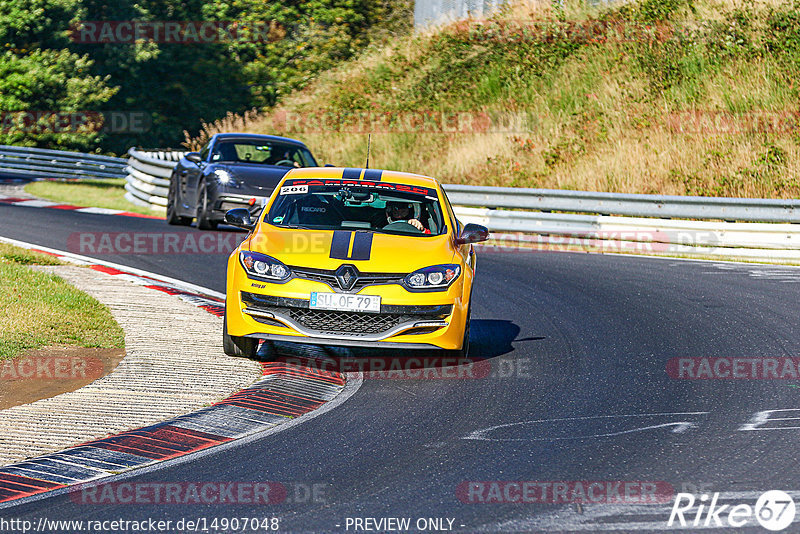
column 352, row 205
column 263, row 152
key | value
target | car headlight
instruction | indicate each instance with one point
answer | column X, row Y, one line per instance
column 225, row 178
column 263, row 266
column 434, row 277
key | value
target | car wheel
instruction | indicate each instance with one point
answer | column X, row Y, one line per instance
column 204, row 221
column 463, row 352
column 172, row 206
column 240, row 347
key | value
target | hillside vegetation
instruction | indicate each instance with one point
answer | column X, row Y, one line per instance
column 694, row 97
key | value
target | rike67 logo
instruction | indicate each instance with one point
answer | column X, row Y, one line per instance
column 774, row 510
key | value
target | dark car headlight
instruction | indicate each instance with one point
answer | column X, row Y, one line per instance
column 226, row 178
column 263, row 266
column 432, row 278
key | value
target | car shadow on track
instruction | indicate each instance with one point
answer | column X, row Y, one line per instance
column 489, row 339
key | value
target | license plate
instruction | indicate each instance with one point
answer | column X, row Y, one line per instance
column 340, row 302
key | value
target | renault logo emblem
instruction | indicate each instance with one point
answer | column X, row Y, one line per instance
column 347, row 276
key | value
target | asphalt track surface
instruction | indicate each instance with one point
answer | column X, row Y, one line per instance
column 578, row 345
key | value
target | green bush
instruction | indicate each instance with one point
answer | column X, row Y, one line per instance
column 177, row 85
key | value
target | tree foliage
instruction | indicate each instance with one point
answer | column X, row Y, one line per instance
column 40, row 76
column 177, row 85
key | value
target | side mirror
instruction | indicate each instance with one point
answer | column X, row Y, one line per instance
column 472, row 233
column 194, row 157
column 329, row 165
column 240, row 217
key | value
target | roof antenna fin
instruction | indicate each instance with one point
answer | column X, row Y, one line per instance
column 369, row 142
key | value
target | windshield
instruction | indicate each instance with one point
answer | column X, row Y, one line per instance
column 352, row 205
column 264, row 152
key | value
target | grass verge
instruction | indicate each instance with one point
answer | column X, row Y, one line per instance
column 106, row 193
column 39, row 309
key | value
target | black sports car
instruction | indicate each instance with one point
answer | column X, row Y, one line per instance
column 233, row 170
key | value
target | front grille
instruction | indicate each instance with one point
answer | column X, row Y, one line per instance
column 346, row 322
column 364, row 279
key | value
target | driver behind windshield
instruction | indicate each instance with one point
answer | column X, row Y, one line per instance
column 402, row 211
column 266, row 153
column 284, row 159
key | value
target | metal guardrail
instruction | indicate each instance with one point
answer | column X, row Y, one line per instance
column 765, row 229
column 148, row 173
column 57, row 164
column 665, row 206
column 515, row 230
column 697, row 233
column 748, row 228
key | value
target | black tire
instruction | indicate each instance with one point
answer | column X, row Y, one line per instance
column 172, row 206
column 204, row 221
column 240, row 347
column 463, row 352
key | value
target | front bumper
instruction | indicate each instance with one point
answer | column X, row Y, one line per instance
column 229, row 201
column 281, row 312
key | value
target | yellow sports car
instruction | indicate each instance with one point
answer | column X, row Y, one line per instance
column 359, row 257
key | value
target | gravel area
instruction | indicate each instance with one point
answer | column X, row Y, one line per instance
column 174, row 364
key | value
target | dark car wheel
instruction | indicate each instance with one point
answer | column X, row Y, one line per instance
column 241, row 347
column 172, row 206
column 204, row 221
